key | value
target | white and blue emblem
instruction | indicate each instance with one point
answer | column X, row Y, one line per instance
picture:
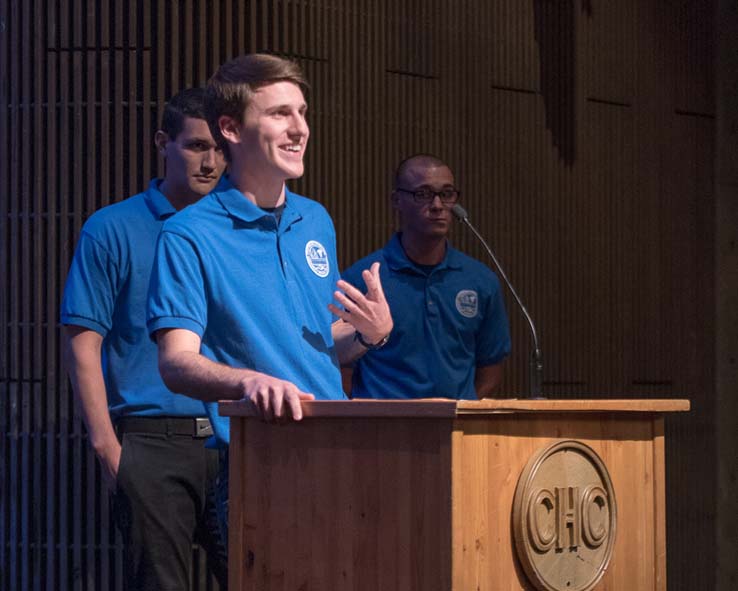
column 467, row 303
column 317, row 258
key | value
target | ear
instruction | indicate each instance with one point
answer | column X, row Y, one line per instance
column 229, row 129
column 161, row 139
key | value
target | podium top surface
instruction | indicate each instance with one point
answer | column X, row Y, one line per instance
column 444, row 408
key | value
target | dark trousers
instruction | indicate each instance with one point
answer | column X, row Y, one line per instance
column 165, row 501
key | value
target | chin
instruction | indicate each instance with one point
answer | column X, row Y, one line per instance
column 294, row 172
column 290, row 169
column 201, row 191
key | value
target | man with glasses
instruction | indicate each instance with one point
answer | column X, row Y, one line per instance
column 450, row 332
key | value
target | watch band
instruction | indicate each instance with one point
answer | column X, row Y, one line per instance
column 371, row 346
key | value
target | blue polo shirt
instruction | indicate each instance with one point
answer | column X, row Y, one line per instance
column 255, row 291
column 106, row 292
column 447, row 321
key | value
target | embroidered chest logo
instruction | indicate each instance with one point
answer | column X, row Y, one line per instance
column 317, row 258
column 467, row 303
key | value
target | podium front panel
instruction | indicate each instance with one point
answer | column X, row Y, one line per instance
column 419, row 496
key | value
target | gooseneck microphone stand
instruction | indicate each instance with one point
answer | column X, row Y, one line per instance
column 535, row 369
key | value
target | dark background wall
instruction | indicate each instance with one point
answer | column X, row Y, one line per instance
column 582, row 134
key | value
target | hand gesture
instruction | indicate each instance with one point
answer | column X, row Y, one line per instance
column 369, row 314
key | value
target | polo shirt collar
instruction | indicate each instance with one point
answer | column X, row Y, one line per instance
column 157, row 202
column 397, row 260
column 239, row 207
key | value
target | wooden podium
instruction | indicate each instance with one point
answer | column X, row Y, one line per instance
column 421, row 496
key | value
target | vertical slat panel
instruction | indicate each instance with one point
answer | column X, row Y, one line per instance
column 5, row 309
column 54, row 387
column 26, row 370
column 40, row 319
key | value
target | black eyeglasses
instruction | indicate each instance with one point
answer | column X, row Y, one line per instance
column 426, row 196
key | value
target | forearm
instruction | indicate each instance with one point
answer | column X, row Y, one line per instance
column 194, row 375
column 348, row 349
column 186, row 371
column 83, row 364
column 487, row 380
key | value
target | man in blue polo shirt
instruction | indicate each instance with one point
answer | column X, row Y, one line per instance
column 240, row 291
column 159, row 469
column 450, row 333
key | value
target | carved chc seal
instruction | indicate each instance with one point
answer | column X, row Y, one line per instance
column 564, row 518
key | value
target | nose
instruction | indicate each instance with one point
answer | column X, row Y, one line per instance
column 209, row 160
column 437, row 203
column 299, row 125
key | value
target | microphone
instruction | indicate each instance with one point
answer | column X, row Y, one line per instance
column 535, row 375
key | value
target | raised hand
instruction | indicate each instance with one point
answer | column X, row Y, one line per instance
column 369, row 314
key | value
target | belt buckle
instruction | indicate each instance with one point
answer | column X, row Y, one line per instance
column 203, row 428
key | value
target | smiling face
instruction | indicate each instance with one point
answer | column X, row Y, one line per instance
column 419, row 220
column 193, row 162
column 270, row 143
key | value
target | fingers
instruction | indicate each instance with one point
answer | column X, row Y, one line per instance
column 261, row 398
column 340, row 312
column 351, row 305
column 293, row 403
column 350, row 291
column 277, row 399
column 373, row 282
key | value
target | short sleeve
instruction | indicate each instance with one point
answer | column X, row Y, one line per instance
column 493, row 339
column 91, row 288
column 176, row 290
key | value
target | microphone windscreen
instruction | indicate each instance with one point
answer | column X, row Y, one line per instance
column 459, row 212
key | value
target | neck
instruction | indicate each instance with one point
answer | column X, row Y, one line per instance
column 424, row 250
column 265, row 193
column 178, row 199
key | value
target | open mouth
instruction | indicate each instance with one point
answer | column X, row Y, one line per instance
column 292, row 149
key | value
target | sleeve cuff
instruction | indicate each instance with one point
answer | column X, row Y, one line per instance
column 174, row 322
column 71, row 320
column 493, row 360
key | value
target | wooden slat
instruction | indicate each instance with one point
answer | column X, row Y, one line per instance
column 5, row 297
column 659, row 502
column 438, row 407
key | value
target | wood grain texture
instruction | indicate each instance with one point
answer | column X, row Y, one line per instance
column 492, row 453
column 336, row 504
column 395, row 503
column 439, row 407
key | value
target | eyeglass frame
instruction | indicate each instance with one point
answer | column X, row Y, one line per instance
column 416, row 199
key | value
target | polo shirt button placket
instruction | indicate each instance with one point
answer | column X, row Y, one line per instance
column 428, row 299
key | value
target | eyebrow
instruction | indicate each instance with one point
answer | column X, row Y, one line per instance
column 303, row 106
column 204, row 140
column 445, row 186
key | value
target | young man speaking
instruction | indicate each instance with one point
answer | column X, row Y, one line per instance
column 240, row 292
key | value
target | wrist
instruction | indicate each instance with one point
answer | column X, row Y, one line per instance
column 105, row 449
column 369, row 345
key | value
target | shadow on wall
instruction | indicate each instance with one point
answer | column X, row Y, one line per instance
column 556, row 35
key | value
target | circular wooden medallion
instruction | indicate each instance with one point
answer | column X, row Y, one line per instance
column 564, row 518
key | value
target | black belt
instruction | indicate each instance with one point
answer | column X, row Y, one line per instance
column 193, row 426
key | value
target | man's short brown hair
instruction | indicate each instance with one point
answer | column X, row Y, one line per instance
column 232, row 86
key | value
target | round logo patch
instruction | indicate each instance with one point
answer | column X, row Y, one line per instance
column 317, row 258
column 467, row 303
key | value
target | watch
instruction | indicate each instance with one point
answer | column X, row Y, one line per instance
column 371, row 346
